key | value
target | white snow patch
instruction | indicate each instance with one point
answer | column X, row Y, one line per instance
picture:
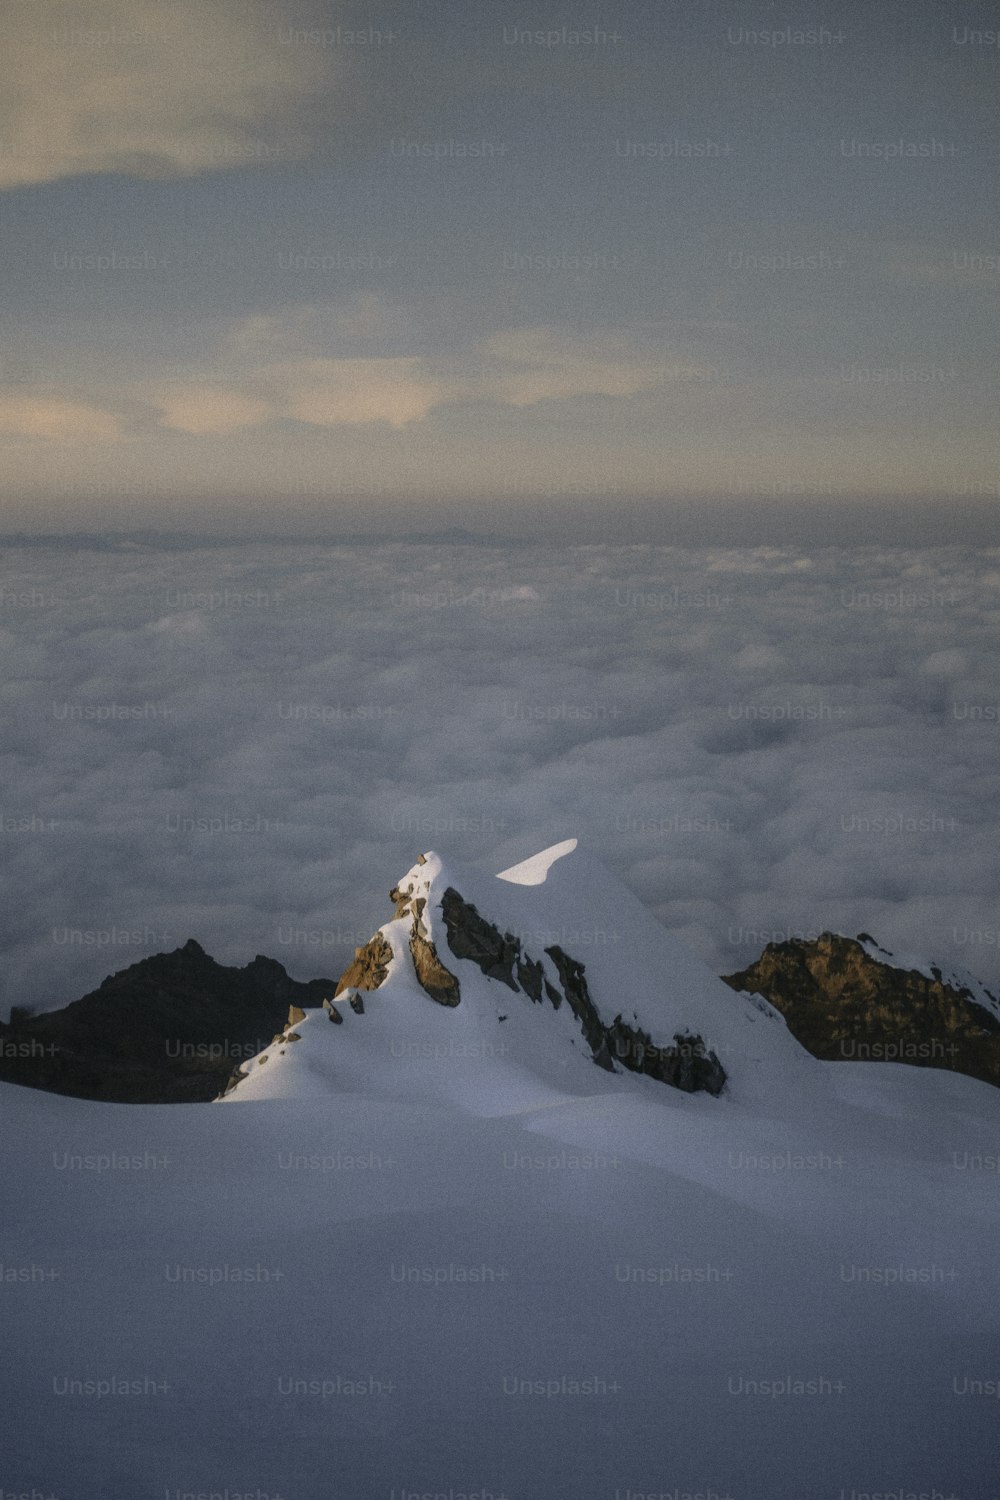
column 534, row 870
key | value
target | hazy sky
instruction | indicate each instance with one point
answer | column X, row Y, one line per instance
column 267, row 262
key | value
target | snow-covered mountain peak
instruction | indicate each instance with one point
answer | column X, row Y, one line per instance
column 510, row 991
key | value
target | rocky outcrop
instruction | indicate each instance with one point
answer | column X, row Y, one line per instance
column 369, row 966
column 166, row 1030
column 687, row 1065
column 432, row 976
column 844, row 1004
column 574, row 987
column 438, row 982
column 406, row 904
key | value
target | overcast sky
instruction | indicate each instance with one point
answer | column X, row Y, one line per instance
column 270, row 262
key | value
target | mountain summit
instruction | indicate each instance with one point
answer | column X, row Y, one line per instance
column 503, row 992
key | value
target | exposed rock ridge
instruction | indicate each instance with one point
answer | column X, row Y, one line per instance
column 844, row 1004
column 432, row 976
column 687, row 1064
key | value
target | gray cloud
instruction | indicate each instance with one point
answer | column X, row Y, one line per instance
column 248, row 744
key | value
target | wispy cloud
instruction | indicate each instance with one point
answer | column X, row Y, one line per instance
column 517, row 367
column 56, row 419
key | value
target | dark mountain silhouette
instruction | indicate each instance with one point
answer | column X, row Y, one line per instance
column 168, row 1029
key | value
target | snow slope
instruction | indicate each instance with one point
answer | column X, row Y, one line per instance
column 509, row 1274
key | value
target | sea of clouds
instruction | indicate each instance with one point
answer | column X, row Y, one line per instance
column 248, row 744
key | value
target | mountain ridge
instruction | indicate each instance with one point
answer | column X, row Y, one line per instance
column 544, row 937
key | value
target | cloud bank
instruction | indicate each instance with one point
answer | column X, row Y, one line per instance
column 248, row 744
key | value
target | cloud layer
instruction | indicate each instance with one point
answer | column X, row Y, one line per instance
column 249, row 744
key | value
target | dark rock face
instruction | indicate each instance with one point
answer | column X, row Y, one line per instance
column 471, row 936
column 529, row 977
column 168, row 1029
column 574, row 987
column 687, row 1065
column 844, row 1005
